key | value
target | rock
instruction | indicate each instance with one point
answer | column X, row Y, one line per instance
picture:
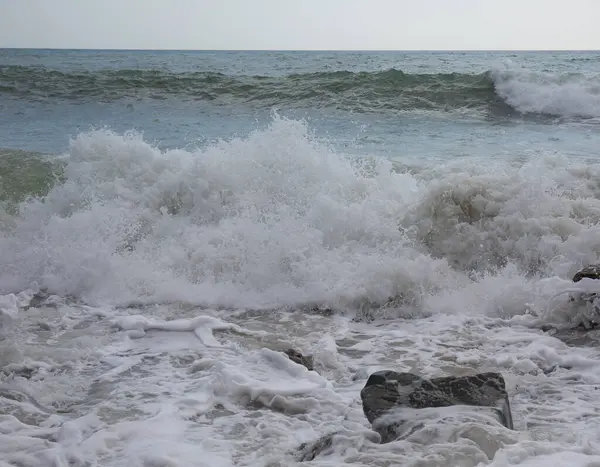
column 308, row 451
column 300, row 359
column 20, row 370
column 591, row 318
column 327, row 311
column 590, row 272
column 389, row 399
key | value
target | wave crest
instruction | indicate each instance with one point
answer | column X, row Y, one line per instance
column 268, row 220
column 502, row 91
column 361, row 91
column 561, row 95
column 280, row 219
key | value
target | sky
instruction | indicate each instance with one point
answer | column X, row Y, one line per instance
column 301, row 24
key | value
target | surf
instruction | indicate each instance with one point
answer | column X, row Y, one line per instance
column 501, row 91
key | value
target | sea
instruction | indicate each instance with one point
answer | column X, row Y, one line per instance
column 172, row 221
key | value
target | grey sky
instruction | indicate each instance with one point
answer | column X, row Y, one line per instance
column 301, row 24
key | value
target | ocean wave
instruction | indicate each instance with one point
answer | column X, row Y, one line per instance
column 281, row 219
column 391, row 89
column 561, row 95
column 25, row 174
column 501, row 91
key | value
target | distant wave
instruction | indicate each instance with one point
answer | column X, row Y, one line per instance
column 557, row 94
column 502, row 91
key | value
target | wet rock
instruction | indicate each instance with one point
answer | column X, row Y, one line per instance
column 589, row 272
column 300, row 359
column 326, row 311
column 388, row 398
column 38, row 299
column 19, row 370
column 591, row 318
column 308, row 451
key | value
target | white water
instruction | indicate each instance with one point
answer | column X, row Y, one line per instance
column 476, row 256
column 559, row 94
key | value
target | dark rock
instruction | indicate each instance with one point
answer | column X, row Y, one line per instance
column 308, row 451
column 387, row 391
column 589, row 272
column 21, row 370
column 322, row 311
column 38, row 299
column 300, row 359
column 591, row 318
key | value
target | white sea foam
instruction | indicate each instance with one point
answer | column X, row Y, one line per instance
column 276, row 218
column 279, row 219
column 558, row 94
column 482, row 255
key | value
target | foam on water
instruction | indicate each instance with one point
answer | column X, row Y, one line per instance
column 563, row 92
column 268, row 220
column 559, row 94
column 279, row 219
column 471, row 259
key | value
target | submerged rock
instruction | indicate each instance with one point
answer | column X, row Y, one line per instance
column 337, row 442
column 389, row 399
column 18, row 395
column 300, row 359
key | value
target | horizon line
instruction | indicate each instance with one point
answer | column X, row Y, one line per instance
column 92, row 49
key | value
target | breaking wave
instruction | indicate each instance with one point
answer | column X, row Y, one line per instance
column 281, row 219
column 500, row 91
